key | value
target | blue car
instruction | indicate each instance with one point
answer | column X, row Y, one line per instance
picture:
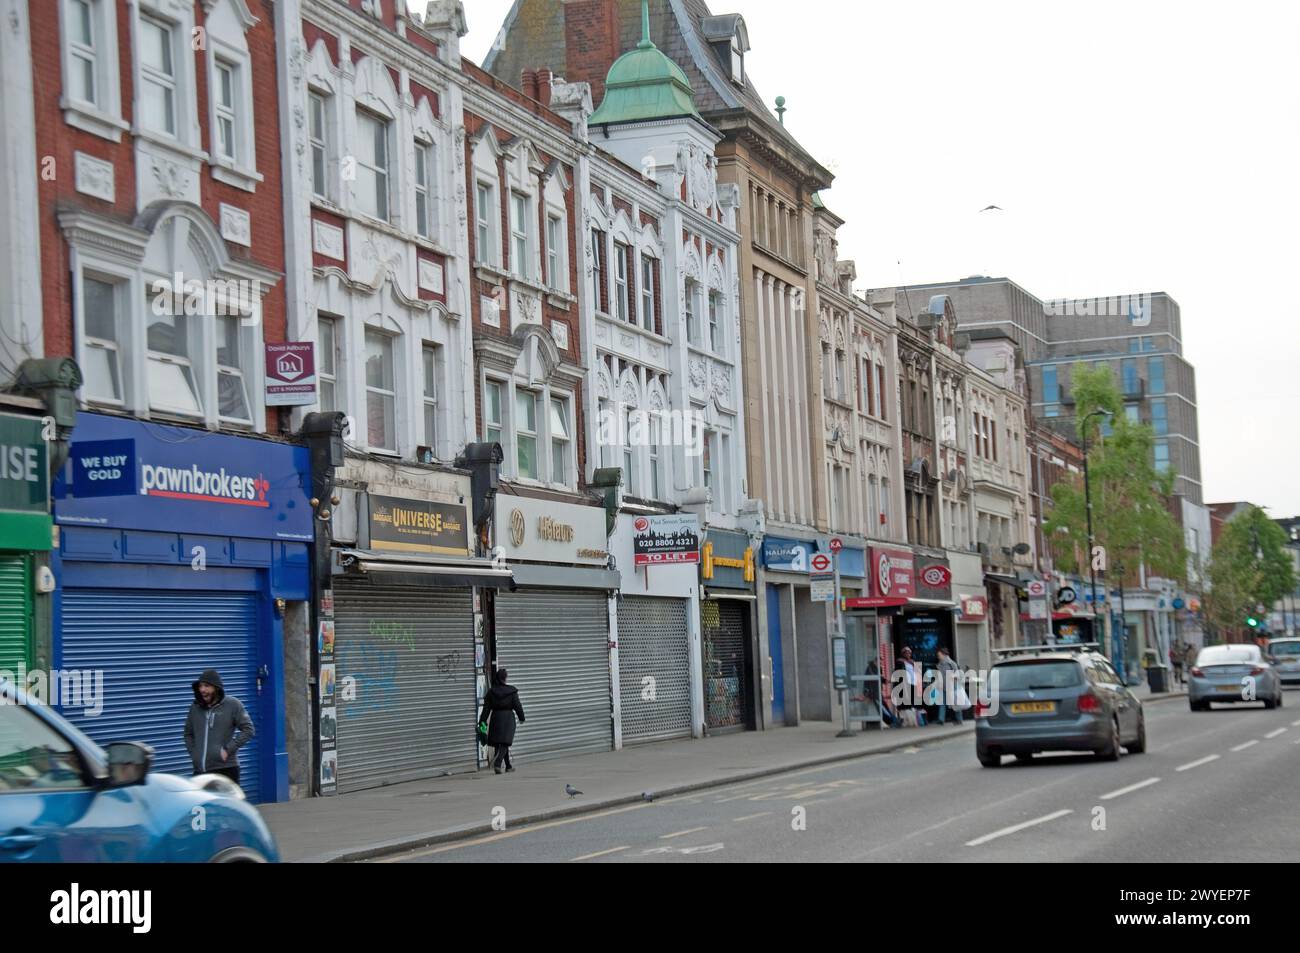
column 64, row 798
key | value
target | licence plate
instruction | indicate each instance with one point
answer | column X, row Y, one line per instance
column 1025, row 708
column 1229, row 689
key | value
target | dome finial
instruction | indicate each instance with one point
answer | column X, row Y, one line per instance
column 645, row 25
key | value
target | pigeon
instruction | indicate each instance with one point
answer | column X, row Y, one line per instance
column 570, row 790
column 647, row 796
column 988, row 207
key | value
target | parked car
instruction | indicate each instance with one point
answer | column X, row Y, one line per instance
column 1234, row 674
column 1286, row 659
column 1057, row 699
column 64, row 798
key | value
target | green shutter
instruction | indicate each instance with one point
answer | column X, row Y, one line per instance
column 15, row 611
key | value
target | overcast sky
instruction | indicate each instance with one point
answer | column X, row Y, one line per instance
column 1135, row 147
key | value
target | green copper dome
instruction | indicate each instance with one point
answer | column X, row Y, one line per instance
column 644, row 84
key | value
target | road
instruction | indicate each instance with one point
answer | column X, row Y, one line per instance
column 1213, row 786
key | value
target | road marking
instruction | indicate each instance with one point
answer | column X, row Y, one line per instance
column 599, row 853
column 1196, row 764
column 1296, row 723
column 693, row 830
column 1017, row 827
column 492, row 838
column 1131, row 788
column 1274, row 734
column 1245, row 745
column 750, row 817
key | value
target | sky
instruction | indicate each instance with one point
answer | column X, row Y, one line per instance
column 1133, row 147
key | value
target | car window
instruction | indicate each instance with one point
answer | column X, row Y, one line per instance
column 1290, row 648
column 1018, row 676
column 33, row 756
column 1108, row 674
column 1228, row 654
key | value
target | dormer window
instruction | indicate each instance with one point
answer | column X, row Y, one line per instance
column 737, row 61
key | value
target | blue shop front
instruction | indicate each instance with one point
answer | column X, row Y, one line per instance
column 180, row 550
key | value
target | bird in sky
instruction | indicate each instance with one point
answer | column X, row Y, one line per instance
column 987, row 207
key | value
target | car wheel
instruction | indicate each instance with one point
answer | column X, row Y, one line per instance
column 1196, row 706
column 238, row 855
column 1112, row 750
column 1270, row 704
column 1139, row 746
column 989, row 760
column 1279, row 698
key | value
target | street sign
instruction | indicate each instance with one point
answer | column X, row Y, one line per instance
column 836, row 545
column 823, row 590
column 839, row 653
column 1065, row 595
column 1036, row 588
column 821, row 564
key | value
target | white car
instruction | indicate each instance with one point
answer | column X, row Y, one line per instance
column 1233, row 673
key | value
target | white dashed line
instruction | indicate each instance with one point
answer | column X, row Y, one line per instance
column 1017, row 827
column 1244, row 745
column 1296, row 723
column 1274, row 734
column 599, row 853
column 1196, row 764
column 1130, row 788
column 750, row 817
column 693, row 830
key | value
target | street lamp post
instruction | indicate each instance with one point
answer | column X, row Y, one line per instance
column 1087, row 496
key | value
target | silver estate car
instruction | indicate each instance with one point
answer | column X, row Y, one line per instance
column 1286, row 655
column 1055, row 699
column 1233, row 673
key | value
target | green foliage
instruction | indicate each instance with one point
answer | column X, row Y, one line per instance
column 1249, row 567
column 1131, row 502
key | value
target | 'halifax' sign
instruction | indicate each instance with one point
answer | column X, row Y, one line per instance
column 133, row 475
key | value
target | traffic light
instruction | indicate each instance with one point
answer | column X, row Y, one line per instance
column 1252, row 622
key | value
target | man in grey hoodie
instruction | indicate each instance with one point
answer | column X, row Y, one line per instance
column 216, row 728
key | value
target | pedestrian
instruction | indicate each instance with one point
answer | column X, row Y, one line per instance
column 216, row 727
column 949, row 672
column 502, row 703
column 910, row 680
column 1176, row 655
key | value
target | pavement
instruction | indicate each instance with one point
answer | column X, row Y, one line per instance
column 418, row 814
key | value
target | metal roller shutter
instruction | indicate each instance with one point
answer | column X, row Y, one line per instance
column 555, row 645
column 15, row 612
column 151, row 646
column 411, row 651
column 653, row 642
column 722, row 624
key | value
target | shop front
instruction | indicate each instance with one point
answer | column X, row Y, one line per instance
column 656, row 623
column 728, row 625
column 871, row 626
column 553, row 634
column 971, row 639
column 398, row 657
column 26, row 537
column 181, row 550
column 798, row 632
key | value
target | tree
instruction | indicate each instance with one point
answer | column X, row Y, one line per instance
column 1131, row 500
column 1249, row 567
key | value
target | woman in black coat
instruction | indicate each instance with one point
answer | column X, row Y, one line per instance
column 502, row 702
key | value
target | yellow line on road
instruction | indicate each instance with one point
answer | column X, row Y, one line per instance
column 693, row 830
column 493, row 838
column 599, row 853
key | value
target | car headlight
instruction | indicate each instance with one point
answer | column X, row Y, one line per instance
column 218, row 784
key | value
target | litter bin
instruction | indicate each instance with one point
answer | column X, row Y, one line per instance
column 1158, row 678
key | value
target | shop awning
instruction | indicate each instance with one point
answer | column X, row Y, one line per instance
column 1004, row 579
column 932, row 603
column 740, row 594
column 1058, row 616
column 401, row 569
column 565, row 577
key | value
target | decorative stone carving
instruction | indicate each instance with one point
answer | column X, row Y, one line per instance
column 722, row 384
column 604, row 388
column 629, row 393
column 235, row 226
column 626, row 340
column 327, row 240
column 700, row 170
column 94, row 177
column 377, row 254
column 699, row 374
column 171, row 178
column 491, row 311
column 431, row 276
column 560, row 331
column 527, row 308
